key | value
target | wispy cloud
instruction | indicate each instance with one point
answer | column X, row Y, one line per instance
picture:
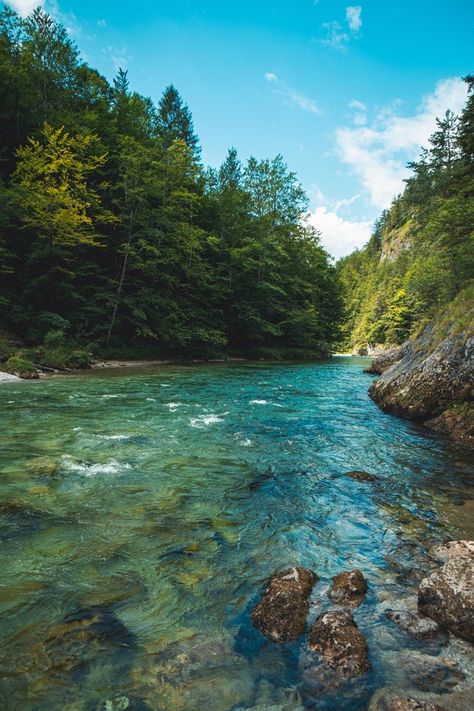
column 337, row 36
column 290, row 96
column 378, row 153
column 102, row 23
column 24, row 7
column 353, row 17
column 119, row 56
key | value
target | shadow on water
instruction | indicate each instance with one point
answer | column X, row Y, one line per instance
column 142, row 513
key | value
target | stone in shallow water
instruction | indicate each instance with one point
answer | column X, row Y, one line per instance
column 384, row 700
column 421, row 628
column 348, row 588
column 361, row 476
column 444, row 551
column 340, row 645
column 282, row 610
column 447, row 596
column 429, row 673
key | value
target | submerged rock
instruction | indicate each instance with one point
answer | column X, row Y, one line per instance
column 361, row 476
column 447, row 596
column 76, row 642
column 348, row 588
column 429, row 673
column 384, row 700
column 421, row 628
column 339, row 644
column 282, row 610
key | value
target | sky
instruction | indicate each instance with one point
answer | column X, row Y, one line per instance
column 347, row 93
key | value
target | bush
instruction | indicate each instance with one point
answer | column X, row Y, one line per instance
column 18, row 365
column 54, row 338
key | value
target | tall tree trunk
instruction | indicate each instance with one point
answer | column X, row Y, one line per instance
column 119, row 287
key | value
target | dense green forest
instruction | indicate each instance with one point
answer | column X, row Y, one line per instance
column 421, row 254
column 114, row 236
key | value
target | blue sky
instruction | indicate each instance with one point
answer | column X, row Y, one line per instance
column 347, row 92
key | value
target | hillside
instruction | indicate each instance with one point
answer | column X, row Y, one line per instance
column 421, row 254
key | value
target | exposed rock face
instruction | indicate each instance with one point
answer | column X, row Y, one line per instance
column 429, row 378
column 422, row 628
column 282, row 610
column 447, row 596
column 457, row 422
column 386, row 359
column 429, row 673
column 361, row 476
column 334, row 636
column 348, row 588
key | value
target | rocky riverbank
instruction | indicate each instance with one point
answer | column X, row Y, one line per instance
column 430, row 380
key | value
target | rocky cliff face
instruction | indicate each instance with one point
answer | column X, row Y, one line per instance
column 432, row 381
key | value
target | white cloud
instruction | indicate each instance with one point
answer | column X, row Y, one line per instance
column 358, row 105
column 353, row 17
column 24, row 7
column 119, row 56
column 339, row 236
column 290, row 95
column 378, row 153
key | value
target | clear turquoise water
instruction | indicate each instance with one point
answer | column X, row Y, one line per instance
column 167, row 496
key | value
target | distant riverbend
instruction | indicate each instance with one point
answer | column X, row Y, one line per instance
column 143, row 510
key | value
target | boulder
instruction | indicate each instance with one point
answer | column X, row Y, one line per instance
column 348, row 588
column 8, row 377
column 282, row 610
column 430, row 673
column 387, row 358
column 457, row 422
column 442, row 552
column 339, row 644
column 447, row 596
column 421, row 628
column 430, row 377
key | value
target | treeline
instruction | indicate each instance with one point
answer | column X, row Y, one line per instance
column 421, row 254
column 113, row 232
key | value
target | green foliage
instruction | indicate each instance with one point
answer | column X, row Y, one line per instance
column 18, row 365
column 112, row 231
column 421, row 255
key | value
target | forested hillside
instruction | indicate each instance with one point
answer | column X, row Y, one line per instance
column 113, row 234
column 421, row 254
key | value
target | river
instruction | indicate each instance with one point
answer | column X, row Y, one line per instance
column 161, row 500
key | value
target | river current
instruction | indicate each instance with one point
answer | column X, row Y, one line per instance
column 150, row 506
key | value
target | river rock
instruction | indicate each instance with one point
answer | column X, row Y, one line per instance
column 429, row 673
column 282, row 610
column 447, row 596
column 429, row 378
column 384, row 360
column 421, row 628
column 361, row 476
column 348, row 588
column 457, row 422
column 335, row 638
column 442, row 552
column 384, row 700
column 75, row 643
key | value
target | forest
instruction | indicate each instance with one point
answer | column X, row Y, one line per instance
column 114, row 237
column 420, row 257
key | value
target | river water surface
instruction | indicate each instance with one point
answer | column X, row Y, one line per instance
column 147, row 508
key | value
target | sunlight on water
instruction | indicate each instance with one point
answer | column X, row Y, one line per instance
column 142, row 512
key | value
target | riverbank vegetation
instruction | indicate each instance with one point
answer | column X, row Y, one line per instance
column 114, row 236
column 420, row 258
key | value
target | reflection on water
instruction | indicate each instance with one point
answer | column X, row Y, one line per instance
column 141, row 513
